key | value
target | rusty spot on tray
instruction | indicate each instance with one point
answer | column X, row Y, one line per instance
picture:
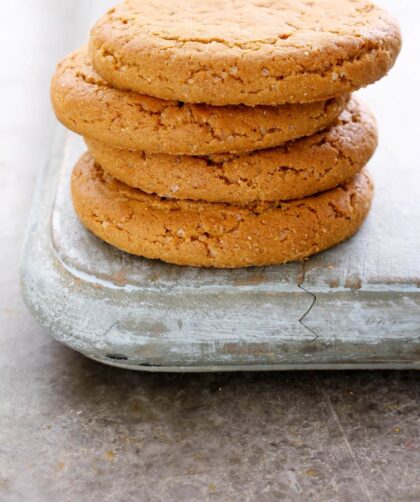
column 254, row 349
column 119, row 278
column 353, row 283
column 250, row 278
column 334, row 283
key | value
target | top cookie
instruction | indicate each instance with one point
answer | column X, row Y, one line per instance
column 249, row 52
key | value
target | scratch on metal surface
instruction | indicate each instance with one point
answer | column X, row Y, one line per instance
column 302, row 319
column 361, row 479
column 110, row 328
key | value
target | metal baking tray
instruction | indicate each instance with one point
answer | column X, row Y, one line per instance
column 355, row 306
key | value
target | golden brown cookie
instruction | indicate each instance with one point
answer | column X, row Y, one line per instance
column 292, row 171
column 244, row 51
column 86, row 104
column 216, row 235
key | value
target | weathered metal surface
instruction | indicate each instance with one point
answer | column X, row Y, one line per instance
column 354, row 306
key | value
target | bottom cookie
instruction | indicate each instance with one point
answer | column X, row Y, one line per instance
column 216, row 235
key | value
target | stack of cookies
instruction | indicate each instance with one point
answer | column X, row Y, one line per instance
column 223, row 133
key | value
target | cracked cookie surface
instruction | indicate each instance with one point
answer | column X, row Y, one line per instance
column 86, row 104
column 214, row 234
column 244, row 51
column 297, row 169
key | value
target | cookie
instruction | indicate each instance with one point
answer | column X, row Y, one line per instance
column 216, row 235
column 86, row 104
column 249, row 52
column 296, row 170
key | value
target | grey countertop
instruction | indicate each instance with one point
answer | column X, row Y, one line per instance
column 71, row 429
